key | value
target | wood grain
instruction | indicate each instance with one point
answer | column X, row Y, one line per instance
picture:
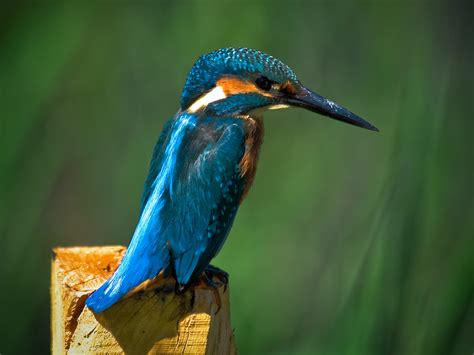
column 152, row 321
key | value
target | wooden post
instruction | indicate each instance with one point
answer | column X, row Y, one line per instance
column 155, row 321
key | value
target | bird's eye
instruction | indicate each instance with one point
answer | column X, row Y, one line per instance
column 263, row 83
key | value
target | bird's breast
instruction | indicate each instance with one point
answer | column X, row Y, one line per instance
column 253, row 140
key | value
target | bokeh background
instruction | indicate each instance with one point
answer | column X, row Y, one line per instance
column 350, row 242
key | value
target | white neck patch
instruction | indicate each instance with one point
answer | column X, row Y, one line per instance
column 278, row 107
column 215, row 94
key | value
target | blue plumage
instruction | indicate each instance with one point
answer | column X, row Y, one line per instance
column 203, row 165
column 207, row 184
column 188, row 206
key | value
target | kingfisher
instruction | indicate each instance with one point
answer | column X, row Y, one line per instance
column 203, row 166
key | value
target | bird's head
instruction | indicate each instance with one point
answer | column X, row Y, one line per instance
column 237, row 81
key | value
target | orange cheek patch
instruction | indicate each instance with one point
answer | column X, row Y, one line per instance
column 233, row 85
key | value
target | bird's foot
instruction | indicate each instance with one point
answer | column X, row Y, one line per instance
column 203, row 282
column 214, row 286
column 214, row 272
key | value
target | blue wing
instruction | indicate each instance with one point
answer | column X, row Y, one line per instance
column 205, row 195
column 190, row 199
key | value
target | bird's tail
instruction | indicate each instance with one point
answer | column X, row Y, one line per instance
column 143, row 260
column 108, row 294
column 131, row 273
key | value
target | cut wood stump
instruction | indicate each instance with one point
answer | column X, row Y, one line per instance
column 154, row 321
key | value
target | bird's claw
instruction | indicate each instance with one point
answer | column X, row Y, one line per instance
column 214, row 272
column 214, row 286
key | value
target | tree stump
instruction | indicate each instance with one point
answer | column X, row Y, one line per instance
column 154, row 321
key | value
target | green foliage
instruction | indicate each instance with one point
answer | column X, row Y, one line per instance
column 350, row 242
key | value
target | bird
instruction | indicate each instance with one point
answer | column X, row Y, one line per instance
column 203, row 166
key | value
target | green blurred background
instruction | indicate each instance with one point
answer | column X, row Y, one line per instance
column 350, row 242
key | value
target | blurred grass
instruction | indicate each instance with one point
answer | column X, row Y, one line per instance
column 349, row 243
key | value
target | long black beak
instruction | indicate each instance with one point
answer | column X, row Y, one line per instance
column 314, row 102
